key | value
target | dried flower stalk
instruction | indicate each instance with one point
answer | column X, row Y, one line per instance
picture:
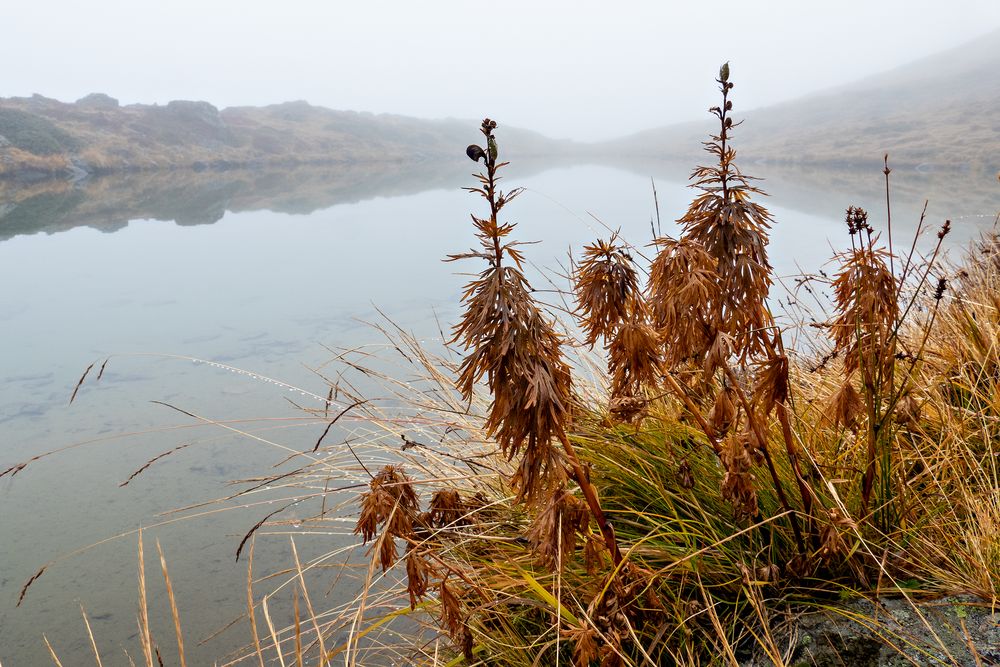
column 513, row 345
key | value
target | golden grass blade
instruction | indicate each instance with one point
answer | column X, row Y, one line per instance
column 90, row 634
column 309, row 606
column 33, row 579
column 151, row 462
column 173, row 606
column 250, row 613
column 720, row 632
column 355, row 634
column 969, row 643
column 298, row 627
column 145, row 637
column 374, row 626
column 274, row 635
column 52, row 653
column 550, row 599
column 558, row 590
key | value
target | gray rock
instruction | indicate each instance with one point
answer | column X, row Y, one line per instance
column 202, row 112
column 98, row 101
column 960, row 631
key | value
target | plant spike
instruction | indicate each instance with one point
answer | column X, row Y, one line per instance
column 513, row 344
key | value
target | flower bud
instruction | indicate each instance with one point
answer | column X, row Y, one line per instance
column 475, row 152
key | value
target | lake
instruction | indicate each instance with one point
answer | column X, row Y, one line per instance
column 268, row 275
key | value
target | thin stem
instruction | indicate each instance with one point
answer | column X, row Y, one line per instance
column 491, row 172
column 913, row 247
column 693, row 409
column 590, row 494
column 762, row 439
column 888, row 212
column 723, row 138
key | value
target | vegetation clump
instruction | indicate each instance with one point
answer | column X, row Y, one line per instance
column 725, row 482
column 35, row 134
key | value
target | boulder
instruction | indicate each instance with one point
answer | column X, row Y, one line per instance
column 198, row 112
column 97, row 101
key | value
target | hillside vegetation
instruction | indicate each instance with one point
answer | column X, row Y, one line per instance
column 942, row 111
column 40, row 136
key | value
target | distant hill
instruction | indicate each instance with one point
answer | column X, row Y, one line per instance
column 40, row 136
column 942, row 111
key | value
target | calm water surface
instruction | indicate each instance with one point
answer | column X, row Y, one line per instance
column 268, row 274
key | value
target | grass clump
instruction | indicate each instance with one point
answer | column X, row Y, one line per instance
column 716, row 482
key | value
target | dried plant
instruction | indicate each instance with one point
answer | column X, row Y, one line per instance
column 418, row 574
column 707, row 293
column 732, row 230
column 513, row 344
column 634, row 359
column 864, row 333
column 585, row 646
column 700, row 487
column 553, row 533
column 684, row 297
column 447, row 509
column 738, row 482
column 391, row 503
column 870, row 311
column 610, row 304
column 607, row 289
column 708, row 290
column 867, row 303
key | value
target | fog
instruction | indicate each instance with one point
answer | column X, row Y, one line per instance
column 583, row 70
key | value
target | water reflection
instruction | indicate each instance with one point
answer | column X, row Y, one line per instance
column 971, row 199
column 109, row 202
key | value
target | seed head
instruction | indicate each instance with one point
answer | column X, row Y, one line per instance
column 939, row 290
column 945, row 228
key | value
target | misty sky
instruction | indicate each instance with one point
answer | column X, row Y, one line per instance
column 586, row 70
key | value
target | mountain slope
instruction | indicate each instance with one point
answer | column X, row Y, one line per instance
column 42, row 136
column 940, row 111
